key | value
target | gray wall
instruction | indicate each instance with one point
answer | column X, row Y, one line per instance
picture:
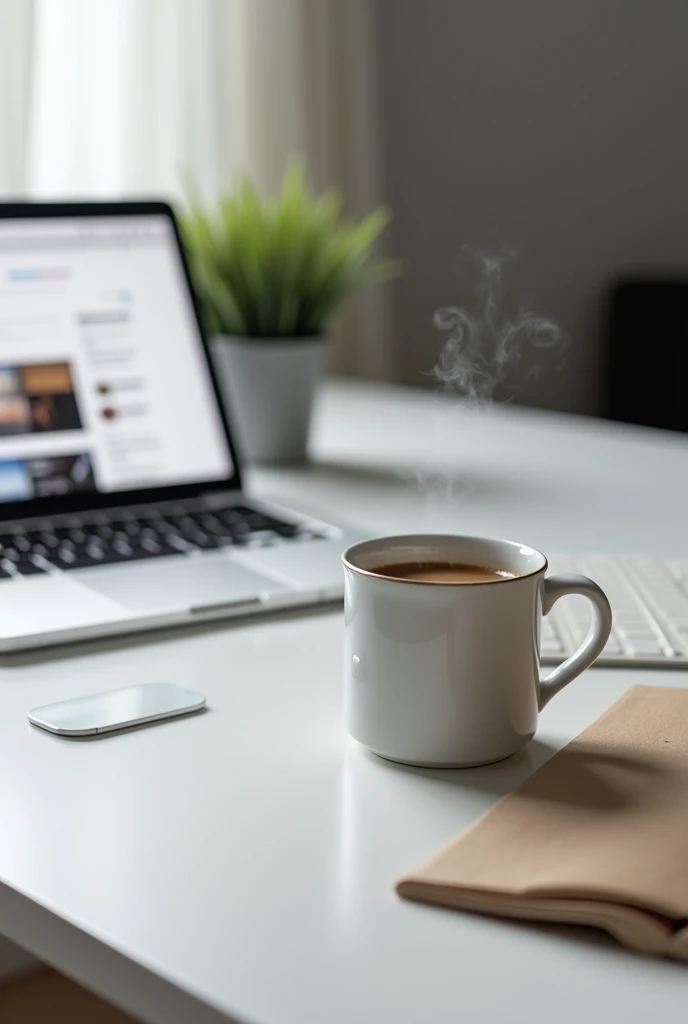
column 559, row 127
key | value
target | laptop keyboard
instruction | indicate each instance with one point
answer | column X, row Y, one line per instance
column 122, row 536
column 649, row 599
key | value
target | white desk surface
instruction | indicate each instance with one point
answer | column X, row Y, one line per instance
column 239, row 865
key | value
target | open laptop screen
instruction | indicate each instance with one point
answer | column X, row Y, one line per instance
column 104, row 384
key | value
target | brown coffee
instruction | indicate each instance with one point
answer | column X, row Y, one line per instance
column 443, row 572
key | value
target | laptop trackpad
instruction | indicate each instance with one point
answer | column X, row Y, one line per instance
column 179, row 583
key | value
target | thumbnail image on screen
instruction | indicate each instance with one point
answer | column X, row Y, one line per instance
column 37, row 398
column 46, row 477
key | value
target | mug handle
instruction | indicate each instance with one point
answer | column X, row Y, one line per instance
column 572, row 583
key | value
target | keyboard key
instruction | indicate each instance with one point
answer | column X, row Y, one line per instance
column 183, row 523
column 636, row 634
column 25, row 567
column 202, row 540
column 286, row 529
column 230, row 516
column 63, row 556
column 211, row 523
column 169, row 549
column 261, row 538
column 645, row 645
column 613, row 646
column 84, row 562
column 176, row 542
column 242, row 519
column 633, row 620
column 158, row 525
column 149, row 543
column 49, row 540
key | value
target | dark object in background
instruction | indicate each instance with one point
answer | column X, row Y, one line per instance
column 647, row 366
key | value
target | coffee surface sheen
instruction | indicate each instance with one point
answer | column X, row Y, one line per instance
column 443, row 572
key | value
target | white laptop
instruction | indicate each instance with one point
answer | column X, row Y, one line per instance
column 121, row 506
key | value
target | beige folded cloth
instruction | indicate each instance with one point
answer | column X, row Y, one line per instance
column 598, row 835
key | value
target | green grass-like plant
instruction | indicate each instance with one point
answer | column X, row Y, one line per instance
column 279, row 267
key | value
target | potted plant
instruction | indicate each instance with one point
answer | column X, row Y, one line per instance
column 269, row 274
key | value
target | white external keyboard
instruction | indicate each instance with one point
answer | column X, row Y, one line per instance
column 649, row 599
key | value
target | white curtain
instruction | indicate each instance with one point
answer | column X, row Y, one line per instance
column 126, row 97
column 15, row 43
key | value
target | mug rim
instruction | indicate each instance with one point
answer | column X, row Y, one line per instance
column 346, row 559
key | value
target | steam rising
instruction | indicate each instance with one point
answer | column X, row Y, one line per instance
column 480, row 347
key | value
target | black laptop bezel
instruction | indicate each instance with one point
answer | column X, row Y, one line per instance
column 95, row 500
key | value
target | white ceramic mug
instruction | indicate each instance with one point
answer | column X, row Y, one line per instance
column 446, row 674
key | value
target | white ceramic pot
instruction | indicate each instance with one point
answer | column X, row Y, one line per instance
column 267, row 386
